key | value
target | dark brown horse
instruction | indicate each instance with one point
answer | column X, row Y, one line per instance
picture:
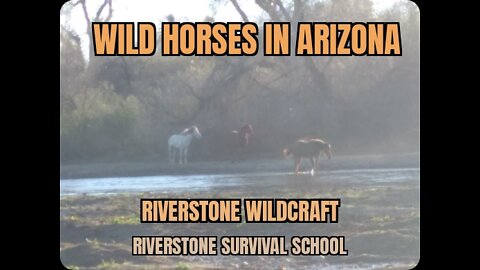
column 308, row 148
column 241, row 139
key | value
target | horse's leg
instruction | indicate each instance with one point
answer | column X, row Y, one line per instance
column 313, row 160
column 235, row 147
column 185, row 153
column 297, row 161
column 171, row 154
column 243, row 148
column 180, row 157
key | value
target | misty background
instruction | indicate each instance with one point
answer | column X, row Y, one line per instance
column 125, row 108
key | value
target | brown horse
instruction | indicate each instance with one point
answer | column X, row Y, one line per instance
column 308, row 148
column 241, row 139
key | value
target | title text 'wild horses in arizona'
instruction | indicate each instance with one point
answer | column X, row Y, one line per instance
column 241, row 139
column 308, row 148
column 178, row 144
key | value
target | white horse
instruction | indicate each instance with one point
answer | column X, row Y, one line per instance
column 179, row 143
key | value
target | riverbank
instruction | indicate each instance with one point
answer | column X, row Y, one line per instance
column 379, row 214
column 154, row 166
column 380, row 222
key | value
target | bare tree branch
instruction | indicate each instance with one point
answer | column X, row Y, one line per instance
column 283, row 10
column 222, row 87
column 263, row 85
column 240, row 11
column 100, row 10
column 71, row 35
column 299, row 10
column 318, row 78
column 87, row 17
column 192, row 90
column 269, row 6
column 266, row 5
column 97, row 17
column 280, row 76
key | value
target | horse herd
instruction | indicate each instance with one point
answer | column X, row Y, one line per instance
column 307, row 147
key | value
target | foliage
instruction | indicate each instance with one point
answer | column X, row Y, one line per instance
column 101, row 122
column 126, row 107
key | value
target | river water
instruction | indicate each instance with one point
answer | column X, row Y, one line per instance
column 379, row 213
column 219, row 182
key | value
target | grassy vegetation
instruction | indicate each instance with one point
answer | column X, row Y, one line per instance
column 108, row 264
column 182, row 266
column 131, row 219
column 97, row 230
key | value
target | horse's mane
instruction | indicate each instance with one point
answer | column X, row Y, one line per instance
column 308, row 139
column 319, row 140
column 189, row 130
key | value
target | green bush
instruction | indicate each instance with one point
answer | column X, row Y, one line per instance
column 102, row 123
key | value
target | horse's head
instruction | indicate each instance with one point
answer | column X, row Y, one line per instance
column 328, row 150
column 247, row 129
column 196, row 133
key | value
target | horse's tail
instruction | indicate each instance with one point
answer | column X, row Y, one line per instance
column 287, row 152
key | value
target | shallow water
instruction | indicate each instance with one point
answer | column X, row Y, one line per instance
column 219, row 182
column 379, row 214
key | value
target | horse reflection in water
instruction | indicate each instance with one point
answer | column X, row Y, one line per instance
column 178, row 144
column 308, row 148
column 241, row 139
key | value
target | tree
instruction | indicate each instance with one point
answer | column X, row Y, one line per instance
column 121, row 106
column 103, row 13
